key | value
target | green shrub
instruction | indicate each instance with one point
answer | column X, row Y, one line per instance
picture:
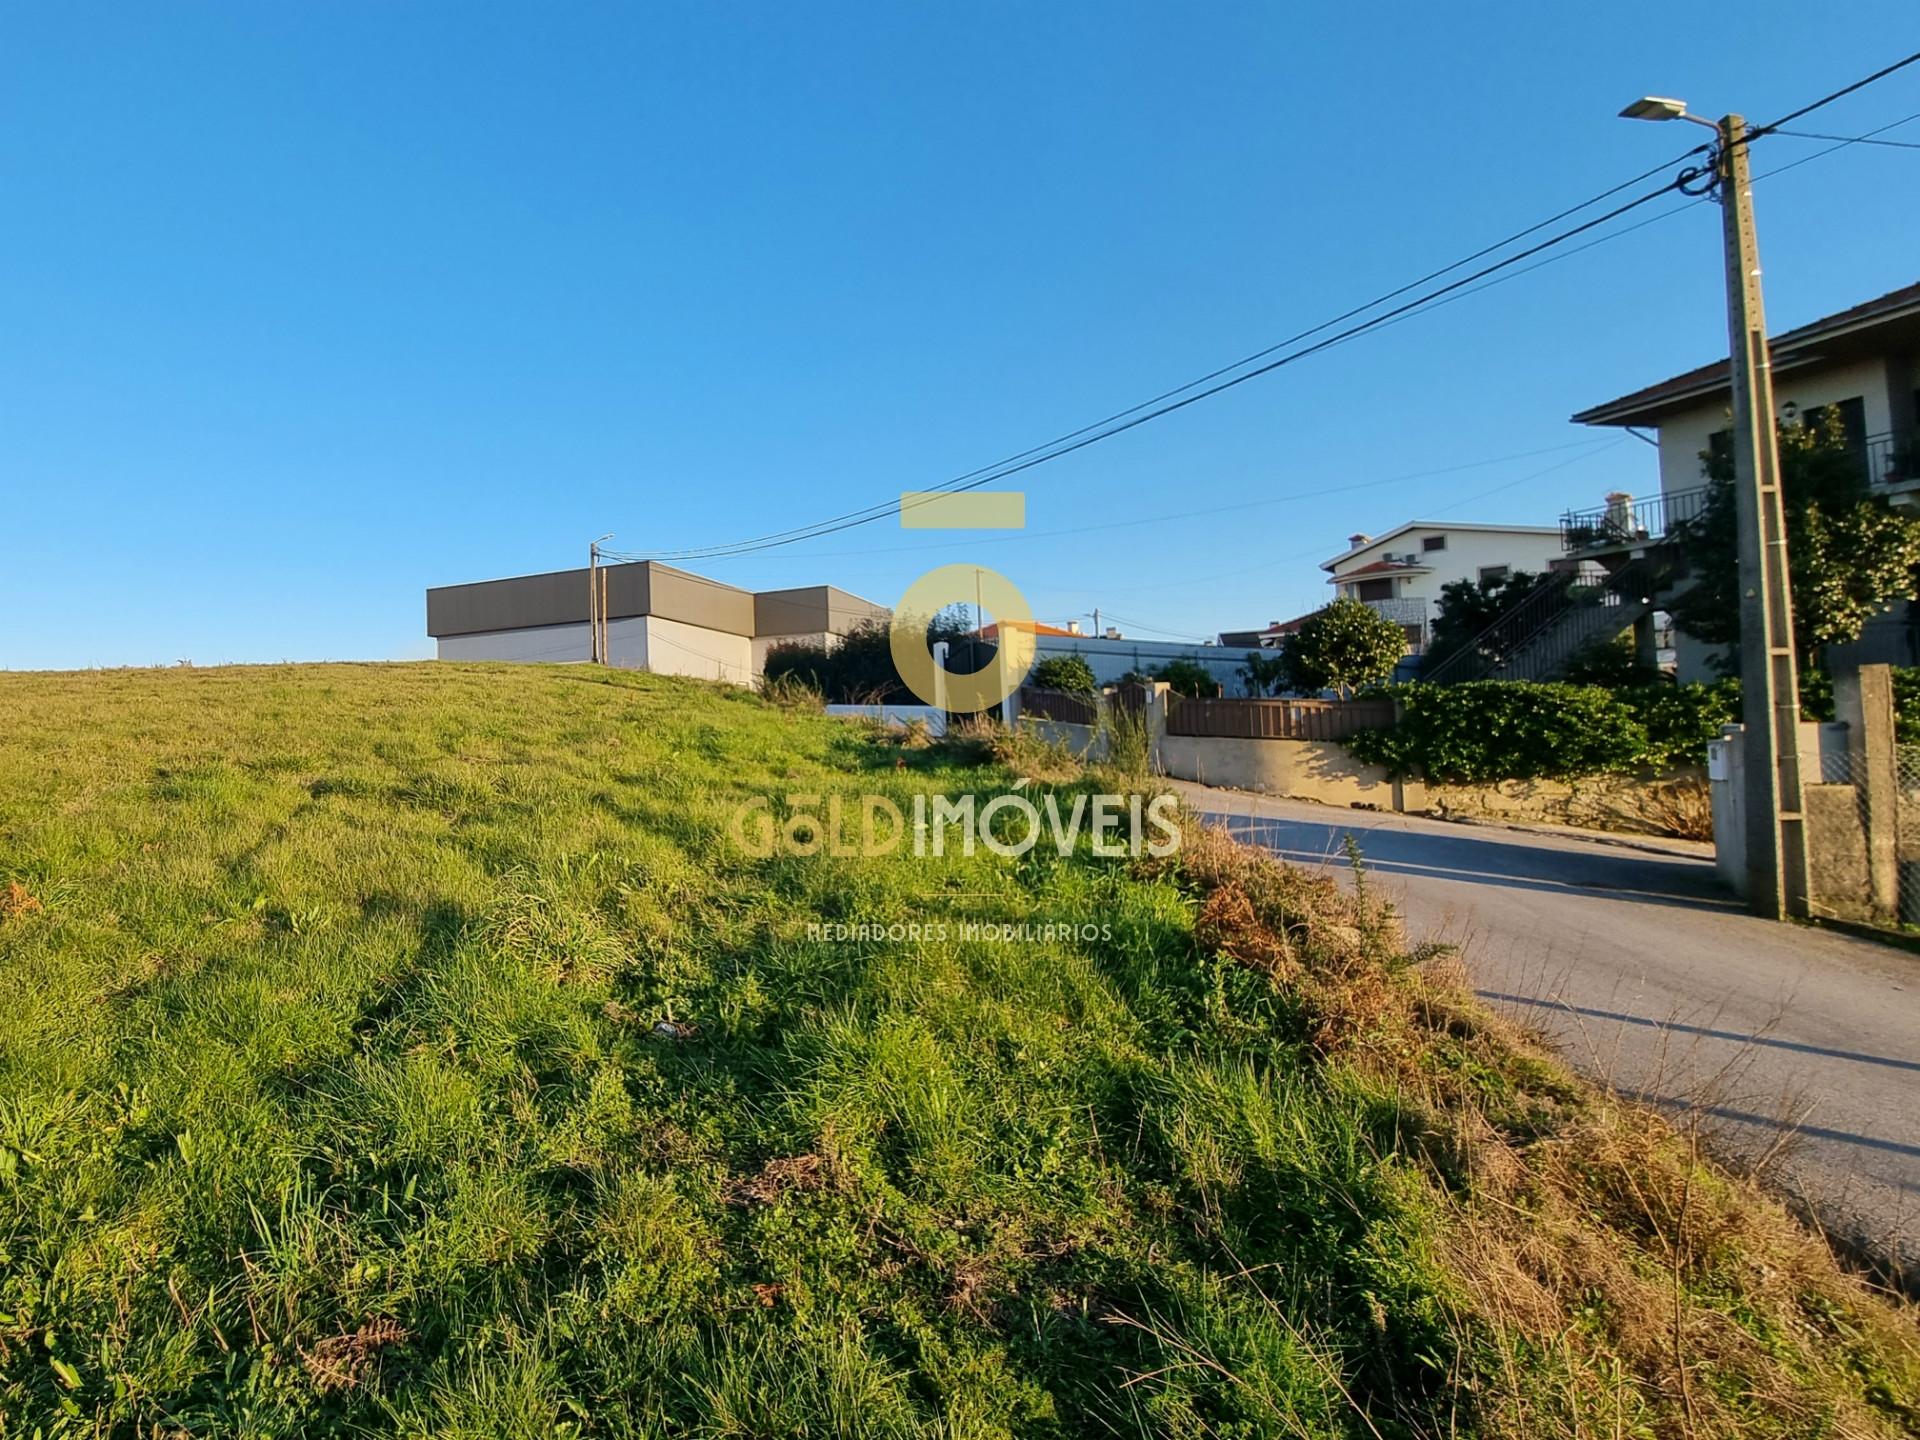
column 1679, row 720
column 1070, row 673
column 1491, row 730
column 1614, row 663
column 1343, row 648
column 859, row 668
column 1189, row 678
column 1906, row 705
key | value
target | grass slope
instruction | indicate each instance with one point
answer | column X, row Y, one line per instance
column 336, row 1098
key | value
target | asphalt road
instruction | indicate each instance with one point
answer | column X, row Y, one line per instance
column 1799, row 1049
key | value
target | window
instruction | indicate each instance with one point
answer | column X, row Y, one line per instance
column 1490, row 574
column 1719, row 456
column 1434, row 542
column 1853, row 419
column 1374, row 590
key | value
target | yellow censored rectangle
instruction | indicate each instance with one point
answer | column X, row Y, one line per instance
column 975, row 510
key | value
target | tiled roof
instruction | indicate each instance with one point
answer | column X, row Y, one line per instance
column 1038, row 627
column 1715, row 374
column 1378, row 567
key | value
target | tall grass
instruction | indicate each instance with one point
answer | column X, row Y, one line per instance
column 406, row 1050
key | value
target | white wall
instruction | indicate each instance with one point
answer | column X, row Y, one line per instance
column 634, row 642
column 1683, row 436
column 1110, row 659
column 763, row 643
column 676, row 648
column 1467, row 553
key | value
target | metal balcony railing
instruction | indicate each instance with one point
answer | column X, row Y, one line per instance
column 1409, row 615
column 1631, row 522
column 1893, row 459
column 1890, row 459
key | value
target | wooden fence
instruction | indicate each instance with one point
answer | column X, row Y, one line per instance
column 1276, row 719
column 1061, row 705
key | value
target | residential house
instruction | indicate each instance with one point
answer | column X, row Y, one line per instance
column 1400, row 573
column 1861, row 365
column 658, row 618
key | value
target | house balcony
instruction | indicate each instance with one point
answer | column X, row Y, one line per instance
column 1409, row 615
column 1630, row 524
column 1890, row 465
column 1893, row 463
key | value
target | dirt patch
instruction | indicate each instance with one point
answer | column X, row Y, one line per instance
column 15, row 901
column 344, row 1362
column 778, row 1177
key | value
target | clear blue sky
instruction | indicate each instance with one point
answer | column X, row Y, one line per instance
column 308, row 307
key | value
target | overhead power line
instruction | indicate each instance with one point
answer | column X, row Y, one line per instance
column 958, row 482
column 1146, row 416
column 1854, row 139
column 1826, row 100
column 1588, row 446
column 1164, row 404
column 1843, row 141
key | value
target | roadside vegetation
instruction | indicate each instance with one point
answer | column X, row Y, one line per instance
column 1492, row 730
column 408, row 1050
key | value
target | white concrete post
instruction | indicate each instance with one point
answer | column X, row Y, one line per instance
column 1156, row 718
column 940, row 676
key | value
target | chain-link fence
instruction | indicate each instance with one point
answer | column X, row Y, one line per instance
column 1906, row 809
column 1844, row 878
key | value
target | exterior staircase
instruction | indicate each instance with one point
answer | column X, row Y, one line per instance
column 1536, row 636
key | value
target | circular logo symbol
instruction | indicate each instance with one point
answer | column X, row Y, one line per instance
column 962, row 585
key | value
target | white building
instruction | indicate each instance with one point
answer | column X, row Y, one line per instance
column 1862, row 365
column 1400, row 573
column 660, row 619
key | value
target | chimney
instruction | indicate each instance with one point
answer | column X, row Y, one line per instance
column 1356, row 541
column 1073, row 627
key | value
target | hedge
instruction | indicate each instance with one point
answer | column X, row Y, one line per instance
column 1493, row 730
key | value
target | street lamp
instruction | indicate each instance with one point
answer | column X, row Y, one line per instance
column 1659, row 107
column 1776, row 859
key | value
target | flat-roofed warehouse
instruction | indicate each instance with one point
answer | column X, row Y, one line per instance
column 659, row 618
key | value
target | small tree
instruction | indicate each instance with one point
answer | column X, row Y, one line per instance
column 1849, row 555
column 1188, row 677
column 1265, row 672
column 1467, row 608
column 1344, row 647
column 1070, row 673
column 1612, row 662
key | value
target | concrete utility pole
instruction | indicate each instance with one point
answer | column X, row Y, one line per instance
column 1769, row 682
column 597, row 648
column 1769, row 685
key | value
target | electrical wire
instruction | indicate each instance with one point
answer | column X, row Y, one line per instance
column 1591, row 445
column 1167, row 409
column 1132, row 417
column 1214, row 577
column 1826, row 100
column 1681, row 209
column 1854, row 139
column 1152, row 629
column 883, row 508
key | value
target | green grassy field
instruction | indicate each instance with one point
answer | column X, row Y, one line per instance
column 408, row 1050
